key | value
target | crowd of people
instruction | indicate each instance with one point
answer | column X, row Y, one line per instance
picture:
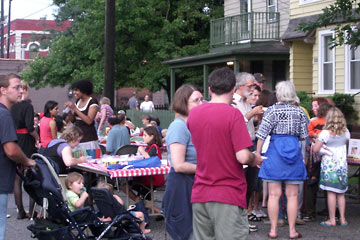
column 245, row 154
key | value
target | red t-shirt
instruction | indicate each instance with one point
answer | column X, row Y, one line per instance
column 218, row 131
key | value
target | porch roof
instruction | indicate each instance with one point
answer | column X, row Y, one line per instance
column 272, row 50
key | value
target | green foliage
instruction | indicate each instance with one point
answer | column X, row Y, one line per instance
column 345, row 103
column 305, row 101
column 148, row 32
column 339, row 12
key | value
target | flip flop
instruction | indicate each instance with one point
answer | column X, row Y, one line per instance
column 344, row 224
column 297, row 236
column 272, row 237
column 324, row 224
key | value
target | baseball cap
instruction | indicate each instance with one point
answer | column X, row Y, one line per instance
column 121, row 112
column 259, row 77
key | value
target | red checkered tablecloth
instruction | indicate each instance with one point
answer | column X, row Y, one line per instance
column 127, row 172
column 352, row 161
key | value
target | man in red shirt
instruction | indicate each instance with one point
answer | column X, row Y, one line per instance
column 221, row 140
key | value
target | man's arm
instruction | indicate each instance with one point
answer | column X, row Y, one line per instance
column 14, row 152
column 255, row 111
column 244, row 156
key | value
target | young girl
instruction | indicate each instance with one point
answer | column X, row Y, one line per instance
column 105, row 112
column 136, row 214
column 48, row 129
column 75, row 194
column 333, row 175
column 153, row 140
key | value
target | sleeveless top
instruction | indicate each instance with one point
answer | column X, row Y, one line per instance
column 45, row 131
column 52, row 153
column 88, row 130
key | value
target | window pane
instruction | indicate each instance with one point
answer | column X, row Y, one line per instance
column 355, row 75
column 271, row 2
column 328, row 76
column 355, row 53
column 327, row 50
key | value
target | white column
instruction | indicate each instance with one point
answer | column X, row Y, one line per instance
column 17, row 45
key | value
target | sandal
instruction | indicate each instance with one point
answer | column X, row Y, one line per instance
column 297, row 236
column 22, row 215
column 272, row 237
column 253, row 218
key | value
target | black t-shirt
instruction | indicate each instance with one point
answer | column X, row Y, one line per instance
column 7, row 166
column 88, row 130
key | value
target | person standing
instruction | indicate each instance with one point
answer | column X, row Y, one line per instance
column 182, row 159
column 28, row 140
column 11, row 92
column 83, row 113
column 133, row 102
column 260, row 80
column 221, row 140
column 147, row 105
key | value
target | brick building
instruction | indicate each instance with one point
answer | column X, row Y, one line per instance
column 23, row 33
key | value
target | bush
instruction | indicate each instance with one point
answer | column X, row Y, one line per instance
column 345, row 103
column 305, row 101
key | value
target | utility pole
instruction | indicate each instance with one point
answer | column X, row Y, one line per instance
column 109, row 62
column 8, row 38
column 2, row 30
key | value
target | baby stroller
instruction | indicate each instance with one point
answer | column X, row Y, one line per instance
column 122, row 221
column 42, row 183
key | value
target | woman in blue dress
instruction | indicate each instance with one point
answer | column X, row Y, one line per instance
column 286, row 122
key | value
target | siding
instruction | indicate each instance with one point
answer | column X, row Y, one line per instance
column 301, row 10
column 231, row 7
column 301, row 65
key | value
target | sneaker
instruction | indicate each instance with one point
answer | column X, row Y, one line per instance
column 299, row 221
column 264, row 215
column 259, row 213
column 8, row 215
column 309, row 218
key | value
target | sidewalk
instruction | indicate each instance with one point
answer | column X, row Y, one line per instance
column 16, row 229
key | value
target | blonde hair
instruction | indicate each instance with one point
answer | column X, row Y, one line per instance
column 335, row 121
column 106, row 185
column 105, row 100
column 25, row 85
column 71, row 134
column 73, row 177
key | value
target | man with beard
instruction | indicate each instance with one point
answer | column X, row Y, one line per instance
column 244, row 83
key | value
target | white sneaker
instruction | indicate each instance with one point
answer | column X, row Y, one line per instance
column 8, row 215
column 264, row 215
column 259, row 213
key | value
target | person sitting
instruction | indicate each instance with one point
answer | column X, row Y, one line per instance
column 76, row 194
column 137, row 214
column 60, row 150
column 118, row 135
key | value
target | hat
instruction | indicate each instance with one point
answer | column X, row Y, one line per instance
column 121, row 112
column 259, row 77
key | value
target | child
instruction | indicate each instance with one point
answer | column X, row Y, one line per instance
column 333, row 175
column 153, row 140
column 76, row 194
column 136, row 214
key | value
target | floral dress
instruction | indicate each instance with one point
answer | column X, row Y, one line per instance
column 333, row 175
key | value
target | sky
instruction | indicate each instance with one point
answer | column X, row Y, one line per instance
column 30, row 9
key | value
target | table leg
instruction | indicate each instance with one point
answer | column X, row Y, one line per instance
column 127, row 191
column 152, row 195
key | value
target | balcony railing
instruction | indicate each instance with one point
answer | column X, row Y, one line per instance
column 246, row 27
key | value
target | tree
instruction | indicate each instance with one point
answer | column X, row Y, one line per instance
column 148, row 32
column 344, row 14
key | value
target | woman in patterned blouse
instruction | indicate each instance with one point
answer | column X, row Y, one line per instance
column 286, row 123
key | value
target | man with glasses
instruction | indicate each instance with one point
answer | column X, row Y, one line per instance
column 10, row 153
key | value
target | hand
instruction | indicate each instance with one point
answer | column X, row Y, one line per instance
column 84, row 195
column 257, row 160
column 82, row 159
column 70, row 105
column 141, row 150
column 30, row 163
column 258, row 110
column 37, row 144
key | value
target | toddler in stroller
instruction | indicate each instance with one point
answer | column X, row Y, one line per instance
column 42, row 183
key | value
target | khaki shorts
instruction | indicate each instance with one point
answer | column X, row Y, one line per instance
column 215, row 220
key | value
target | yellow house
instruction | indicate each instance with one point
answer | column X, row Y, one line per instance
column 314, row 66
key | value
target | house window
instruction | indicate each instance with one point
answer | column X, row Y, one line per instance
column 352, row 69
column 326, row 63
column 271, row 6
column 33, row 51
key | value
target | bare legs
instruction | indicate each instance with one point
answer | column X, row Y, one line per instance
column 265, row 194
column 273, row 206
column 18, row 199
column 332, row 198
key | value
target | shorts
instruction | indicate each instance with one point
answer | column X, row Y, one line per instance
column 292, row 182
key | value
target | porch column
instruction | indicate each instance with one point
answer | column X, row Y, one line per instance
column 236, row 66
column 172, row 84
column 205, row 82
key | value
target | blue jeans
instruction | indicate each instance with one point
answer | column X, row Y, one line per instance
column 3, row 211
